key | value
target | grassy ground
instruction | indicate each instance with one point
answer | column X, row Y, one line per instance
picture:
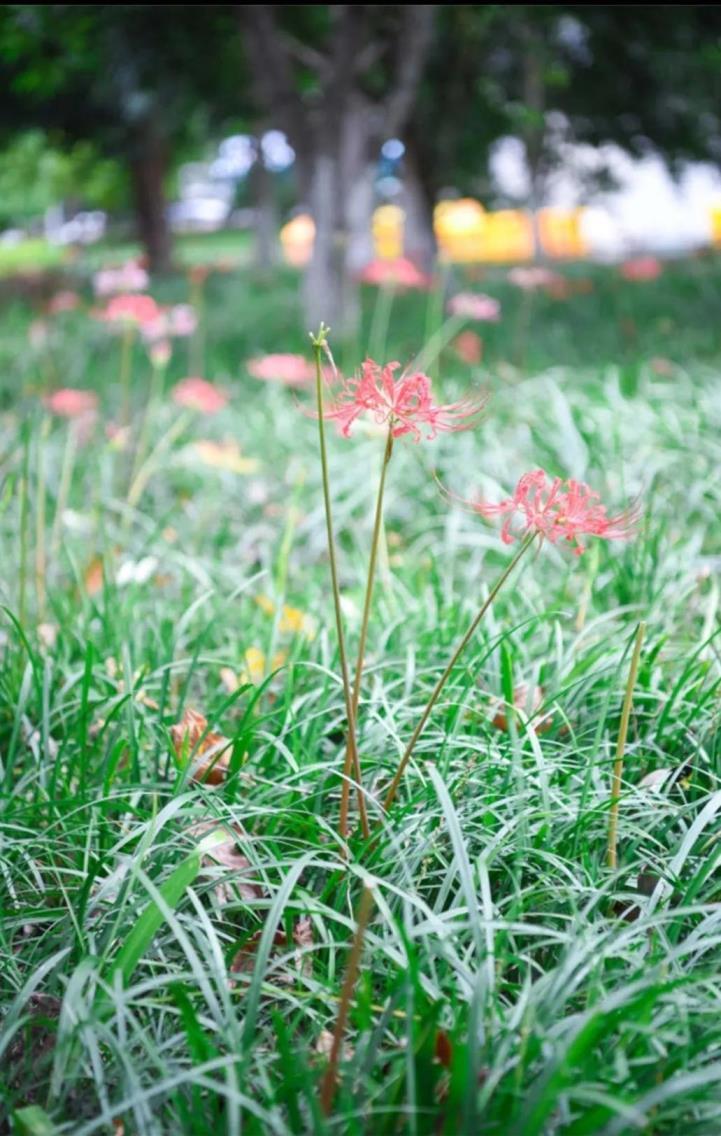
column 510, row 982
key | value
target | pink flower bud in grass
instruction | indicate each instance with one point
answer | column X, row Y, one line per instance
column 475, row 306
column 160, row 351
column 558, row 510
column 469, row 347
column 641, row 268
column 130, row 277
column 533, row 276
column 400, row 273
column 182, row 321
column 404, row 403
column 200, row 395
column 291, row 370
column 64, row 301
column 71, row 403
column 141, row 311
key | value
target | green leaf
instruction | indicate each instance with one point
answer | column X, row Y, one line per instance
column 33, row 1121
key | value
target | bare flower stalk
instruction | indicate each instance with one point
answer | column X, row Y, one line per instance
column 328, row 1084
column 611, row 853
column 391, row 794
column 319, row 342
column 375, row 544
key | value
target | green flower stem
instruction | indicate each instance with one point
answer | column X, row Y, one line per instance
column 611, row 852
column 126, row 357
column 328, row 1084
column 391, row 795
column 375, row 544
column 351, row 761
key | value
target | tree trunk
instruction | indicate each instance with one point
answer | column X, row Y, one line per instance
column 419, row 239
column 148, row 165
column 266, row 214
column 324, row 279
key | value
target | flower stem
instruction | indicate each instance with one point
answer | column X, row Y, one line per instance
column 66, row 476
column 351, row 760
column 328, row 1084
column 391, row 794
column 126, row 355
column 375, row 544
column 611, row 853
column 40, row 551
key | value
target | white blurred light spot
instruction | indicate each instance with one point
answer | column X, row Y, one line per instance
column 278, row 153
column 393, row 149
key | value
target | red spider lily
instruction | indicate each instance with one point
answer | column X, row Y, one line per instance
column 475, row 306
column 139, row 310
column 177, row 322
column 469, row 347
column 291, row 370
column 399, row 273
column 64, row 301
column 197, row 394
column 558, row 510
column 404, row 403
column 71, row 403
column 641, row 268
column 534, row 276
column 130, row 277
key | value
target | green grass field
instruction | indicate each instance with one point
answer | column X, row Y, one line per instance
column 510, row 983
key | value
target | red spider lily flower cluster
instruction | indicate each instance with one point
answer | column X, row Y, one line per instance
column 291, row 370
column 534, row 276
column 469, row 347
column 68, row 402
column 140, row 311
column 130, row 277
column 558, row 510
column 641, row 268
column 63, row 301
column 198, row 394
column 475, row 306
column 399, row 273
column 405, row 403
column 177, row 322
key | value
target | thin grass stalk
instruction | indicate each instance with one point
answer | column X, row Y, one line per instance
column 328, row 1084
column 612, row 849
column 319, row 342
column 126, row 356
column 66, row 475
column 41, row 564
column 146, row 470
column 24, row 527
column 391, row 794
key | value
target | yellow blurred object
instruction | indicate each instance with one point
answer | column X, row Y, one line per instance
column 509, row 236
column 467, row 233
column 715, row 218
column 292, row 619
column 224, row 455
column 296, row 239
column 388, row 230
column 561, row 234
column 460, row 228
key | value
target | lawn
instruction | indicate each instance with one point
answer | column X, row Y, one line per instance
column 510, row 982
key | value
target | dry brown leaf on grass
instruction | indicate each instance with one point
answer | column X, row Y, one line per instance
column 93, row 576
column 527, row 705
column 226, row 854
column 213, row 749
column 324, row 1045
column 244, row 960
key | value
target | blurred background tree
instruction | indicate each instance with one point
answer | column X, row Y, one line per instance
column 140, row 82
column 339, row 79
